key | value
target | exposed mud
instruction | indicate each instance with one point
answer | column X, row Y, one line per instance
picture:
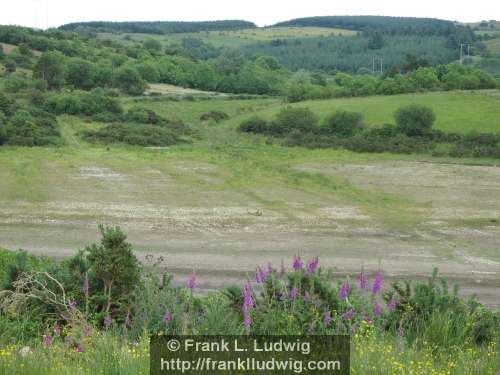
column 186, row 212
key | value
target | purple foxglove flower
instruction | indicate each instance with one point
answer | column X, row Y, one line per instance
column 298, row 264
column 363, row 281
column 57, row 329
column 392, row 304
column 313, row 265
column 248, row 295
column 191, row 283
column 260, row 275
column 167, row 317
column 349, row 314
column 247, row 320
column 293, row 293
column 377, row 309
column 345, row 289
column 377, row 283
column 108, row 321
column 48, row 340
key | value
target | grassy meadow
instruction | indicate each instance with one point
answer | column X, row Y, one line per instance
column 236, row 38
column 227, row 201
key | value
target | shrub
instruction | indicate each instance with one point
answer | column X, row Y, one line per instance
column 343, row 124
column 83, row 103
column 291, row 118
column 254, row 124
column 415, row 120
column 114, row 264
column 133, row 134
column 217, row 116
column 129, row 81
column 32, row 128
column 143, row 116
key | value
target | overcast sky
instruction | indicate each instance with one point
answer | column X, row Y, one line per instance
column 262, row 12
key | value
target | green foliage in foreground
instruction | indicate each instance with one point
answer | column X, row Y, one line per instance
column 420, row 328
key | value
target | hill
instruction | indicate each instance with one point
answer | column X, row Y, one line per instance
column 392, row 25
column 159, row 27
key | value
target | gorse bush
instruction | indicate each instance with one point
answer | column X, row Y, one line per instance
column 31, row 127
column 343, row 124
column 216, row 116
column 133, row 134
column 292, row 118
column 254, row 124
column 85, row 103
column 415, row 120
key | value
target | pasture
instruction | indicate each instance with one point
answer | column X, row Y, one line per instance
column 228, row 201
column 236, row 38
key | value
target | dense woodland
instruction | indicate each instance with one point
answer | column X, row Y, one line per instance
column 55, row 72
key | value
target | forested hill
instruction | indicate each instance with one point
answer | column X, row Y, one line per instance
column 393, row 25
column 158, row 27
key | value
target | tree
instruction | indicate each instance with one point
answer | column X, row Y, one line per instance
column 415, row 120
column 344, row 123
column 148, row 71
column 230, row 62
column 51, row 67
column 115, row 265
column 375, row 41
column 5, row 105
column 10, row 65
column 424, row 78
column 81, row 74
column 152, row 45
column 129, row 81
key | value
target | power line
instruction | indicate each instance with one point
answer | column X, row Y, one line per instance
column 377, row 61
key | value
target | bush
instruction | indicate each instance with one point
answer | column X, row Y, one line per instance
column 291, row 118
column 83, row 103
column 217, row 116
column 133, row 134
column 254, row 124
column 415, row 120
column 32, row 128
column 343, row 124
column 129, row 81
column 143, row 116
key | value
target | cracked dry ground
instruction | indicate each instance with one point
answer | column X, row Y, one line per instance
column 187, row 213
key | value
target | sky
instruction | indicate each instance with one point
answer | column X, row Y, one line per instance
column 33, row 13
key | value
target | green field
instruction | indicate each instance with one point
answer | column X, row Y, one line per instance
column 456, row 111
column 237, row 38
column 231, row 199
